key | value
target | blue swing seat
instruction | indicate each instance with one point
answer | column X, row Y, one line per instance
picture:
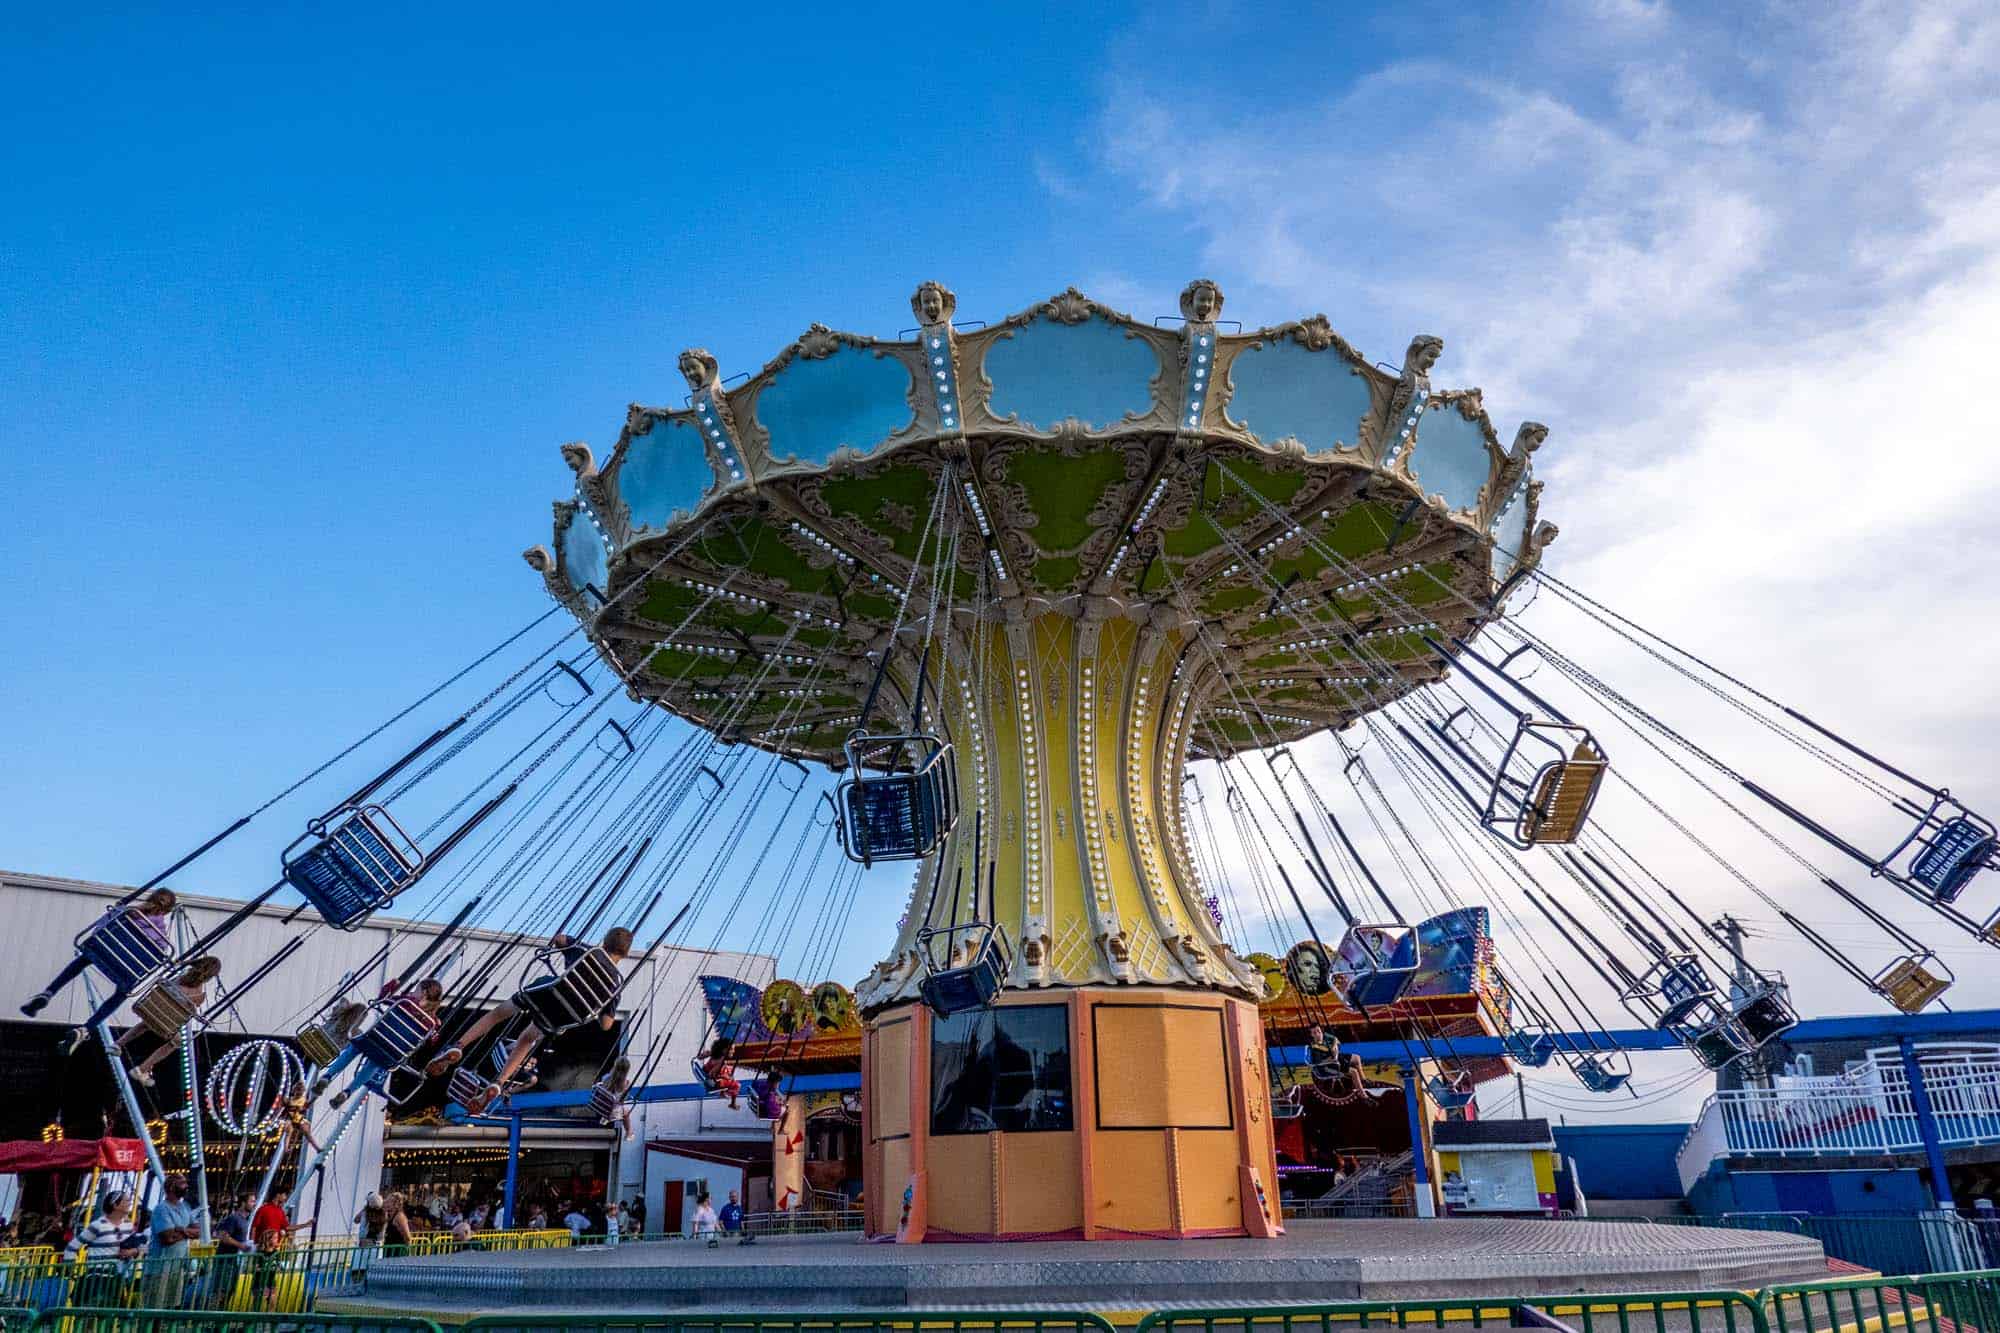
column 1597, row 1076
column 603, row 1103
column 1532, row 1050
column 358, row 866
column 971, row 984
column 123, row 950
column 1377, row 978
column 1448, row 1093
column 1683, row 987
column 466, row 1086
column 897, row 816
column 395, row 1035
column 1950, row 858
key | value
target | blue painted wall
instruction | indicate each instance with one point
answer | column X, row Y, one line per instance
column 1624, row 1161
column 1818, row 1193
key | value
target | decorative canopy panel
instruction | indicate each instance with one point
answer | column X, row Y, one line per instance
column 1314, row 514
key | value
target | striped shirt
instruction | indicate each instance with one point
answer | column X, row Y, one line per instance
column 99, row 1239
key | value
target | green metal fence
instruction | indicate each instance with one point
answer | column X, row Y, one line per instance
column 96, row 1320
column 1886, row 1242
column 988, row 1321
column 1947, row 1302
column 12, row 1318
column 1636, row 1312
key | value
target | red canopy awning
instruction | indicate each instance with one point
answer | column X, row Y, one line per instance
column 72, row 1155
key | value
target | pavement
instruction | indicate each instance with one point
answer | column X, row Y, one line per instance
column 1316, row 1261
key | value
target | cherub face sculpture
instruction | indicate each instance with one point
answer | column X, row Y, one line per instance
column 1201, row 301
column 1425, row 349
column 699, row 369
column 933, row 303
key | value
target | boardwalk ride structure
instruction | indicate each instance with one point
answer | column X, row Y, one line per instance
column 1038, row 552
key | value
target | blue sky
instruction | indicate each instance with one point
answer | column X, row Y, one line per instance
column 295, row 310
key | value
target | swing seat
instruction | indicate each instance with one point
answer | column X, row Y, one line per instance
column 1287, row 1105
column 1716, row 1045
column 317, row 1043
column 972, row 984
column 1682, row 987
column 124, row 949
column 1766, row 1012
column 395, row 1035
column 466, row 1087
column 603, row 1104
column 710, row 1084
column 897, row 816
column 1377, row 975
column 1532, row 1050
column 574, row 996
column 1959, row 850
column 364, row 862
column 1563, row 793
column 1596, row 1076
column 164, row 1009
column 1449, row 1094
column 1910, row 984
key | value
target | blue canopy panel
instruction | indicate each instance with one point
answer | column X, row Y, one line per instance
column 1453, row 948
column 854, row 397
column 663, row 474
column 1282, row 390
column 1510, row 533
column 1456, row 450
column 586, row 556
column 1045, row 372
column 733, row 1009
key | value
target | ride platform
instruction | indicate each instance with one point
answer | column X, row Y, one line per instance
column 1376, row 1259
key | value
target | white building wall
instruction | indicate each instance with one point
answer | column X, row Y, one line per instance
column 41, row 915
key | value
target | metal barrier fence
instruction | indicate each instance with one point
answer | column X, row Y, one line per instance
column 287, row 1282
column 985, row 1321
column 1967, row 1302
column 1678, row 1311
column 85, row 1319
column 802, row 1222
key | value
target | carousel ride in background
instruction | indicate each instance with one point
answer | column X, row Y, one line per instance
column 1065, row 603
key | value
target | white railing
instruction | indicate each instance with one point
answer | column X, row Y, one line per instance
column 1867, row 1113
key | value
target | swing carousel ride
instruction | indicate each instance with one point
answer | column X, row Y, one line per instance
column 1054, row 611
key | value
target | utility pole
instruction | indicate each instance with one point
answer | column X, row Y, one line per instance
column 1521, row 1088
column 1740, row 976
column 1753, row 1068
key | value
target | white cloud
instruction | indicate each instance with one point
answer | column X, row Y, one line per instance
column 1751, row 276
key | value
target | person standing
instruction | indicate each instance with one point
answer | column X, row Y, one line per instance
column 105, row 1244
column 273, row 1217
column 371, row 1223
column 637, row 1215
column 577, row 1221
column 731, row 1215
column 174, row 1224
column 705, row 1221
column 232, row 1246
column 611, row 1222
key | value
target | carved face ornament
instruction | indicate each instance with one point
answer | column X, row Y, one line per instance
column 933, row 303
column 699, row 368
column 1425, row 349
column 1201, row 301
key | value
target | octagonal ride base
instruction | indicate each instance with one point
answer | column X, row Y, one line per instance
column 1095, row 1113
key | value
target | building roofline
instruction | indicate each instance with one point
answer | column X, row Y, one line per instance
column 83, row 888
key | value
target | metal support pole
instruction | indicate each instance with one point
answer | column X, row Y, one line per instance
column 132, row 1110
column 1420, row 1167
column 197, row 1149
column 513, row 1169
column 1920, row 1102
